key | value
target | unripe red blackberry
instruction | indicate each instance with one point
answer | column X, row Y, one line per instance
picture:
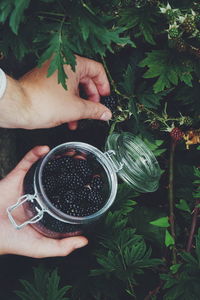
column 155, row 125
column 176, row 134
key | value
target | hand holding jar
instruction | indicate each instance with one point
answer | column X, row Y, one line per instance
column 28, row 241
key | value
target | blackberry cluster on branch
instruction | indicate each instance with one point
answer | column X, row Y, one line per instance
column 72, row 185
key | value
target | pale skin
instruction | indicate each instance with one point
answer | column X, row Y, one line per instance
column 36, row 101
column 27, row 241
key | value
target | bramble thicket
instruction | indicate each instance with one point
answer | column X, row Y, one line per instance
column 148, row 245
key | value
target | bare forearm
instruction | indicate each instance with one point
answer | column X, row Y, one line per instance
column 13, row 105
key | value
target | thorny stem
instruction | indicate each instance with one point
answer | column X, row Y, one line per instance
column 171, row 198
column 193, row 226
column 112, row 81
column 153, row 293
column 124, row 265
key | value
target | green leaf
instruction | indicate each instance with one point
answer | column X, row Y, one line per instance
column 188, row 258
column 17, row 14
column 129, row 81
column 169, row 240
column 168, row 67
column 182, row 205
column 142, row 20
column 175, row 268
column 6, row 7
column 161, row 222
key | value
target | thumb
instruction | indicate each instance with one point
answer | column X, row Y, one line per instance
column 94, row 110
column 28, row 160
column 47, row 247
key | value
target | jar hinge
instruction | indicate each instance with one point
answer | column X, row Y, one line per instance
column 21, row 201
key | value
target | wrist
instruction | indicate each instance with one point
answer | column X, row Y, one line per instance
column 14, row 106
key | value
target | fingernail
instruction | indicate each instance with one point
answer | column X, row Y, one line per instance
column 106, row 116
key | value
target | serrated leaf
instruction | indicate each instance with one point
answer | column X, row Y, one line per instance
column 168, row 67
column 169, row 240
column 17, row 14
column 142, row 19
column 161, row 222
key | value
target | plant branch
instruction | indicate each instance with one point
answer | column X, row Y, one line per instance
column 171, row 198
column 193, row 227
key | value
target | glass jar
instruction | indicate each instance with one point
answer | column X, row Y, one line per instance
column 126, row 155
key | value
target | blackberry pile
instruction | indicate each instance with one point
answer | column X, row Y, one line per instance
column 73, row 185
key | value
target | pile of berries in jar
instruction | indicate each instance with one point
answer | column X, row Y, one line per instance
column 75, row 183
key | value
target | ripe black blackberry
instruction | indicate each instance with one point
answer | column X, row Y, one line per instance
column 74, row 209
column 69, row 197
column 82, row 167
column 59, row 164
column 49, row 183
column 110, row 102
column 91, row 209
column 74, row 181
column 82, row 195
column 96, row 183
column 95, row 198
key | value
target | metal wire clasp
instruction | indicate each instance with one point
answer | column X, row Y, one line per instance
column 20, row 202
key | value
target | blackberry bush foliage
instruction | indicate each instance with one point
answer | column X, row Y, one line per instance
column 147, row 247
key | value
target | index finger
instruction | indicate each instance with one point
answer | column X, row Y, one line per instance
column 95, row 71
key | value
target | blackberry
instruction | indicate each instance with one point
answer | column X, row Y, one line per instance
column 94, row 197
column 173, row 32
column 189, row 25
column 59, row 164
column 176, row 134
column 96, row 183
column 74, row 181
column 82, row 167
column 91, row 210
column 155, row 124
column 181, row 45
column 110, row 102
column 69, row 197
column 49, row 183
column 73, row 209
column 82, row 194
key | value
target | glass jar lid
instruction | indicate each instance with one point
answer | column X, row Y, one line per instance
column 139, row 167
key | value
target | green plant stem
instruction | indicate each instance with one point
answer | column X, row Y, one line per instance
column 193, row 227
column 112, row 81
column 171, row 198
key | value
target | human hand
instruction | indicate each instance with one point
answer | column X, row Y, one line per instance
column 28, row 241
column 49, row 104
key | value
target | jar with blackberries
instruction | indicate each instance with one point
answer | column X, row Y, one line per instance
column 75, row 184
